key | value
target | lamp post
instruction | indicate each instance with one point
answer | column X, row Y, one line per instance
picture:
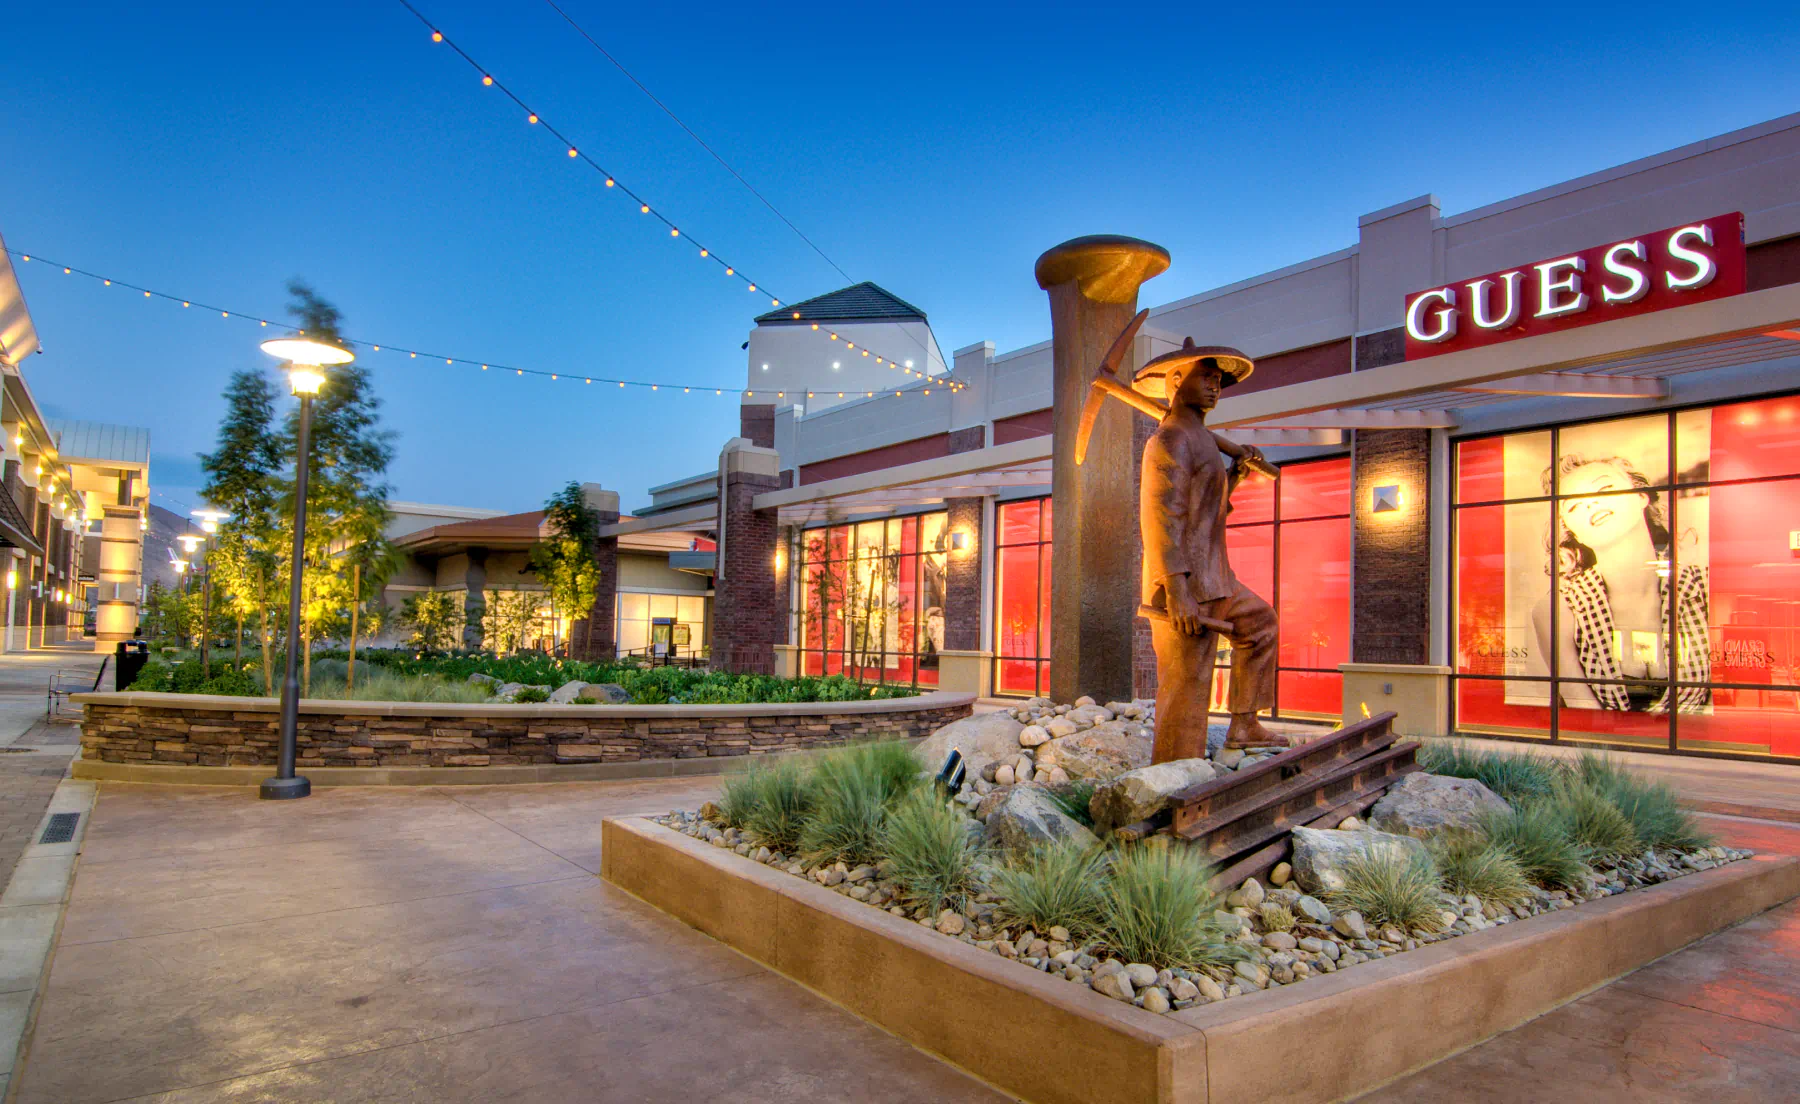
column 305, row 357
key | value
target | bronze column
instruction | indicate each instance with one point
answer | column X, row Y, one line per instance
column 1093, row 284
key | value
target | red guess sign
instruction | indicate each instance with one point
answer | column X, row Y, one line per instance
column 1691, row 263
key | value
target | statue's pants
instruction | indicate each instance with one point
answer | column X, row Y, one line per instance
column 1184, row 670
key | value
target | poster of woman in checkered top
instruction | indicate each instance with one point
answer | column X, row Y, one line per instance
column 1624, row 573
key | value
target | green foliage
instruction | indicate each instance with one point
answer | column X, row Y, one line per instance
column 527, row 695
column 583, row 699
column 436, row 619
column 1656, row 815
column 1591, row 821
column 1537, row 837
column 1521, row 776
column 1276, row 917
column 1156, row 907
column 1391, row 887
column 566, row 562
column 1074, row 798
column 1055, row 884
column 929, row 853
column 853, row 789
column 1470, row 863
column 771, row 800
column 330, row 674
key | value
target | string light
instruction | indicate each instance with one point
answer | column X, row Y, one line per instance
column 644, row 206
column 411, row 354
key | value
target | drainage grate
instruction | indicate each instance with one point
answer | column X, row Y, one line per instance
column 61, row 828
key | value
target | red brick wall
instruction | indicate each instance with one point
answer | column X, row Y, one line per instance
column 1038, row 423
column 757, row 422
column 1377, row 349
column 745, row 610
column 906, row 452
column 962, row 583
column 967, row 440
column 1297, row 366
column 1390, row 556
column 1772, row 264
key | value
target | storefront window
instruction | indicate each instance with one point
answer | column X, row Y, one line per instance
column 872, row 599
column 1022, row 598
column 1638, row 590
column 656, row 625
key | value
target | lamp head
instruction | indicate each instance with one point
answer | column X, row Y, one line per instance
column 299, row 349
column 305, row 379
column 189, row 542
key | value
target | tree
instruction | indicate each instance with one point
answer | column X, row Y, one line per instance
column 436, row 619
column 507, row 617
column 566, row 561
column 346, row 499
column 241, row 479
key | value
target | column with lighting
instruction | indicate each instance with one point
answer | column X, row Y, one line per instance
column 306, row 357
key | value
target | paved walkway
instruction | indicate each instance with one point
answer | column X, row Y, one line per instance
column 28, row 777
column 417, row 945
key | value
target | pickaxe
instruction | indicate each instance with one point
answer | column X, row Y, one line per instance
column 1108, row 382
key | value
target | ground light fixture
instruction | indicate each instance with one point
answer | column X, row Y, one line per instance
column 306, row 357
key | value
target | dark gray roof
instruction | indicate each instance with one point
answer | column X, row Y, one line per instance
column 864, row 302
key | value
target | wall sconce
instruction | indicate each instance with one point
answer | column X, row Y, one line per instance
column 1387, row 500
column 959, row 541
column 12, row 578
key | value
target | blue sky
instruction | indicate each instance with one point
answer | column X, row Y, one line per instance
column 216, row 150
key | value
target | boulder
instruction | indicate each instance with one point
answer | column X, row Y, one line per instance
column 1320, row 854
column 982, row 739
column 567, row 692
column 488, row 680
column 1029, row 817
column 1104, row 751
column 609, row 692
column 1420, row 805
column 1141, row 793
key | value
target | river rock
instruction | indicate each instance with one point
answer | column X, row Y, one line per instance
column 1138, row 794
column 1029, row 817
column 1421, row 804
column 1320, row 854
column 1033, row 735
column 610, row 693
column 1104, row 751
column 982, row 739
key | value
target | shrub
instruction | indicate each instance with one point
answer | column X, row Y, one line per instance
column 928, row 851
column 1276, row 917
column 1157, row 908
column 770, row 800
column 1074, row 799
column 153, row 678
column 1473, row 864
column 583, row 699
column 1055, row 884
column 853, row 788
column 1591, row 820
column 1391, row 887
column 1538, row 840
column 388, row 686
column 1521, row 776
column 1655, row 813
column 526, row 695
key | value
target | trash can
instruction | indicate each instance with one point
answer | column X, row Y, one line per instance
column 129, row 658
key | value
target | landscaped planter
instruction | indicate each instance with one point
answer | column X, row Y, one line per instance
column 1333, row 1037
column 200, row 730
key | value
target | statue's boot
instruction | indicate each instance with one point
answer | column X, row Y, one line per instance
column 1248, row 732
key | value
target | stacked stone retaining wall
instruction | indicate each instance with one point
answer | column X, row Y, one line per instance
column 197, row 730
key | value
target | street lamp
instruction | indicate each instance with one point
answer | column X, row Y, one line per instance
column 305, row 357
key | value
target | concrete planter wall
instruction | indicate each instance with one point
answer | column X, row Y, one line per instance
column 200, row 730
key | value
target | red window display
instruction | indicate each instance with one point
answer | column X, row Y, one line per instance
column 872, row 599
column 1022, row 598
column 1639, row 586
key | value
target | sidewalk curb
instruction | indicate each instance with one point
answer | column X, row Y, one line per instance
column 31, row 915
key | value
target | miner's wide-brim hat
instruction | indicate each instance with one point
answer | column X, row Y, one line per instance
column 1153, row 378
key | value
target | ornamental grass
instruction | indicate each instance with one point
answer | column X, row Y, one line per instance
column 771, row 800
column 928, row 852
column 1520, row 776
column 1470, row 864
column 1538, row 839
column 853, row 788
column 1591, row 821
column 1157, row 906
column 1390, row 887
column 1055, row 884
column 1655, row 813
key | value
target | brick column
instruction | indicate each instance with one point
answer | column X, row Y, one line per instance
column 962, row 583
column 1390, row 557
column 745, row 612
column 756, row 423
column 591, row 637
column 475, row 598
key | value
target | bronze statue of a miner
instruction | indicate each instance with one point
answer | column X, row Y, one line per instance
column 1190, row 594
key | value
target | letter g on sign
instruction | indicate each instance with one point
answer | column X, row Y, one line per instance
column 1443, row 319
